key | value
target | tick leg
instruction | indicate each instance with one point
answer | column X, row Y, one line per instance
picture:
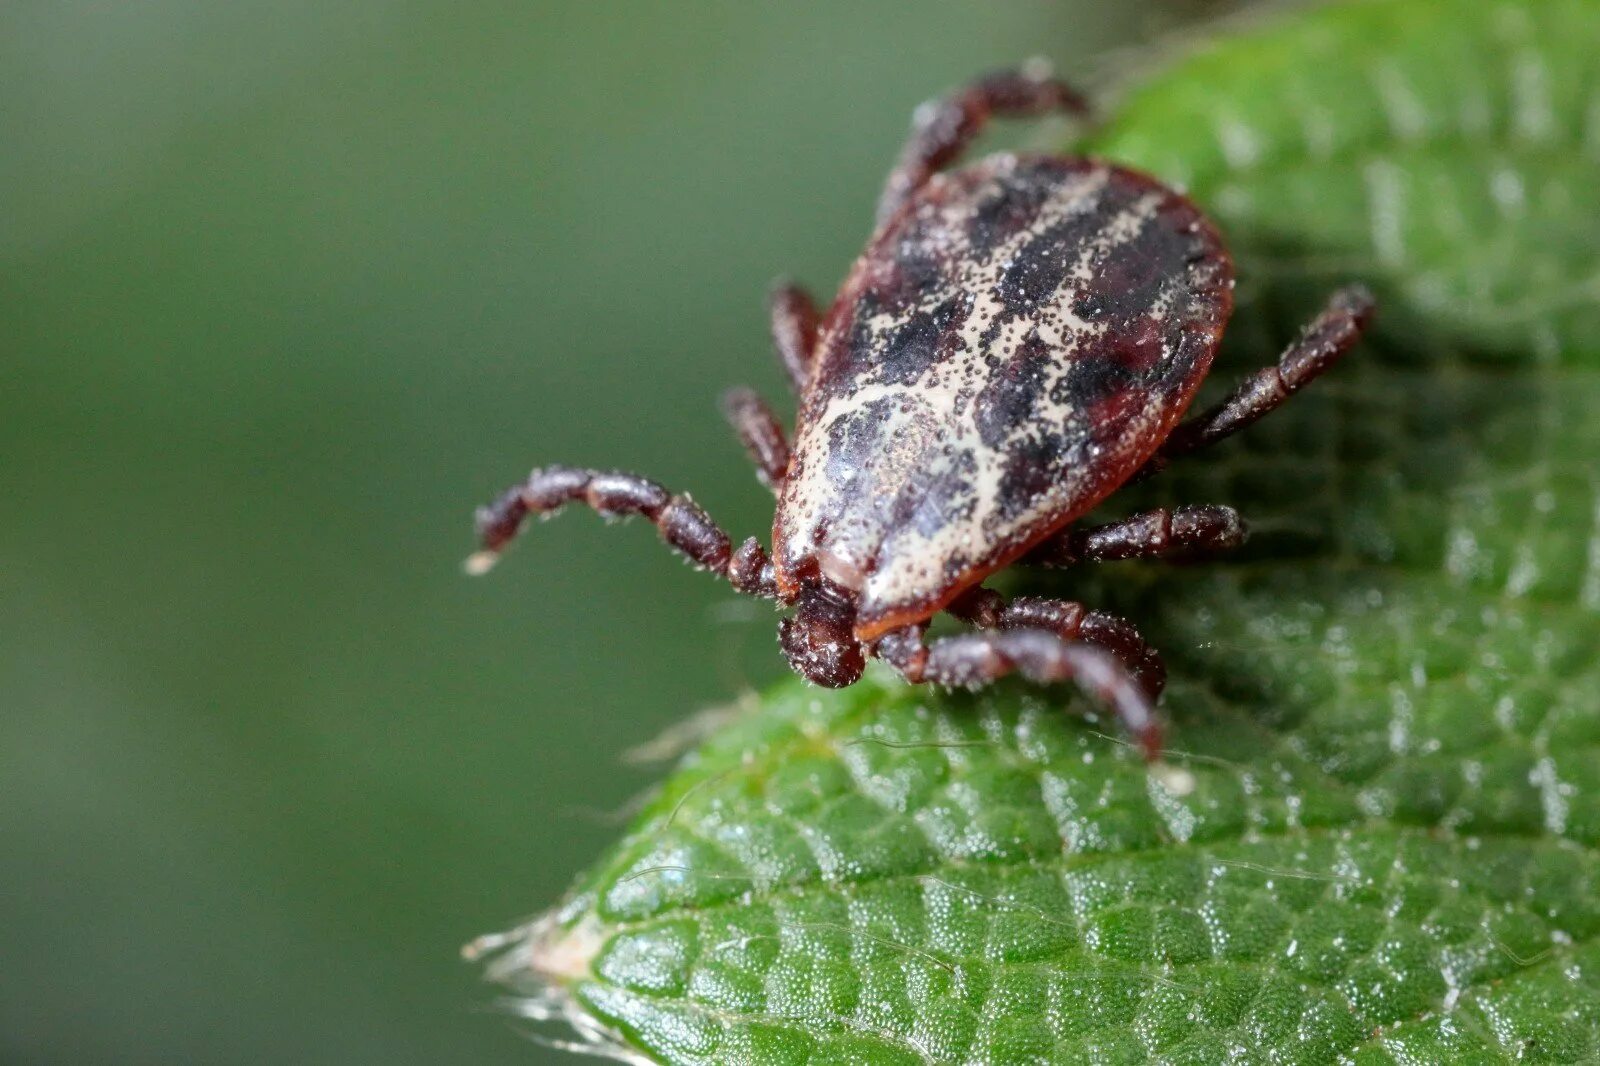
column 760, row 433
column 941, row 128
column 971, row 660
column 1070, row 621
column 794, row 330
column 1321, row 344
column 1157, row 534
column 683, row 525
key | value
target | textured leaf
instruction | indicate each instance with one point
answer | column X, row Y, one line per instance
column 1387, row 704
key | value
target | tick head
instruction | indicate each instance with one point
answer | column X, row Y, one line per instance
column 819, row 641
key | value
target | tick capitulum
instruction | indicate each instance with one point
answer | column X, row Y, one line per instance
column 1019, row 339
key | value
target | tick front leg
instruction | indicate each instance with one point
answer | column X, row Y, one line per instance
column 1321, row 344
column 941, row 128
column 686, row 528
column 971, row 660
column 1070, row 621
column 761, row 434
column 795, row 319
column 1158, row 534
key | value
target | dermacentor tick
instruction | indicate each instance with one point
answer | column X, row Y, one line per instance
column 1018, row 340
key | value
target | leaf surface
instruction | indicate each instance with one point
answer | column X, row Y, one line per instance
column 1387, row 703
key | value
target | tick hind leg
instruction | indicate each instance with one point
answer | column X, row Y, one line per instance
column 1157, row 534
column 794, row 335
column 761, row 434
column 1320, row 345
column 1070, row 621
column 941, row 128
column 795, row 319
column 686, row 528
column 971, row 660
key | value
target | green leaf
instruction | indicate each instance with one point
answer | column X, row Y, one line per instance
column 1386, row 707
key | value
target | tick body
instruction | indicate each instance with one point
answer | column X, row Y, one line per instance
column 1021, row 337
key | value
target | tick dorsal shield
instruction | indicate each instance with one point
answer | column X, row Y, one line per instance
column 1004, row 355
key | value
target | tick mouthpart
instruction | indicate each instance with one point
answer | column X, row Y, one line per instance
column 817, row 640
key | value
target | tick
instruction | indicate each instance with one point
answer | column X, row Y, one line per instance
column 1020, row 338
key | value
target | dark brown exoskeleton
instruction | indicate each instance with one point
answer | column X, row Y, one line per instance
column 1019, row 339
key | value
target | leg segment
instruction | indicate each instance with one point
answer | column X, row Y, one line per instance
column 1157, row 534
column 1070, row 621
column 974, row 659
column 681, row 522
column 940, row 129
column 1329, row 336
column 794, row 330
column 760, row 433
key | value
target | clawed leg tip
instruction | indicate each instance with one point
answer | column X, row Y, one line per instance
column 479, row 563
column 1356, row 300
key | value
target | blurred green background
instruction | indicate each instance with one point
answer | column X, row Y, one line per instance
column 286, row 288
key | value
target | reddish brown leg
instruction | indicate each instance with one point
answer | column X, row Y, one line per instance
column 681, row 522
column 1157, row 534
column 1329, row 336
column 794, row 330
column 760, row 433
column 1070, row 621
column 971, row 660
column 940, row 129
